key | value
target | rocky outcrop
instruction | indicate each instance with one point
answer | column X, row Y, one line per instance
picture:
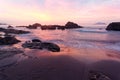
column 70, row 25
column 34, row 26
column 37, row 44
column 10, row 27
column 51, row 27
column 13, row 31
column 114, row 26
column 8, row 40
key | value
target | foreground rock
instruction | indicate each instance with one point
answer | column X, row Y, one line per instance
column 94, row 75
column 37, row 44
column 115, row 26
column 51, row 47
column 14, row 31
column 8, row 40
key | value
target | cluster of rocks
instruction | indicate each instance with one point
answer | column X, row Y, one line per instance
column 34, row 26
column 68, row 25
column 94, row 75
column 34, row 44
column 37, row 44
column 114, row 26
column 8, row 40
column 13, row 31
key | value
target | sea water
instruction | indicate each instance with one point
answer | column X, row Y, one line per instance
column 84, row 44
column 78, row 38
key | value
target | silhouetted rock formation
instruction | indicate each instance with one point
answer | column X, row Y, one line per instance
column 8, row 40
column 14, row 31
column 115, row 26
column 10, row 27
column 37, row 44
column 51, row 27
column 70, row 25
column 34, row 26
column 36, row 40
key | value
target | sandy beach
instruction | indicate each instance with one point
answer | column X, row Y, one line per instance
column 60, row 67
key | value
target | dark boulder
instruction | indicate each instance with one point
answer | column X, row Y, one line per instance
column 36, row 40
column 8, row 40
column 72, row 25
column 37, row 44
column 32, row 45
column 114, row 26
column 51, row 47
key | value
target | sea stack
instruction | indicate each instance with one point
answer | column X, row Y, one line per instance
column 114, row 26
column 72, row 25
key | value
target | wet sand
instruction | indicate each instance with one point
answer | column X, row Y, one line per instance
column 47, row 68
column 59, row 68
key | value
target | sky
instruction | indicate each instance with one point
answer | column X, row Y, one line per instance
column 23, row 12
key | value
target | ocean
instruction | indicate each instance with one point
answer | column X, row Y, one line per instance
column 77, row 42
column 89, row 38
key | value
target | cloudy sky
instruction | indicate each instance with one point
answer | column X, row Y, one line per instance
column 59, row 11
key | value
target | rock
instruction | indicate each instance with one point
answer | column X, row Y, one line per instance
column 34, row 26
column 14, row 31
column 36, row 40
column 37, row 44
column 32, row 45
column 10, row 27
column 31, row 27
column 51, row 46
column 8, row 40
column 49, row 27
column 37, row 25
column 115, row 26
column 94, row 75
column 72, row 25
